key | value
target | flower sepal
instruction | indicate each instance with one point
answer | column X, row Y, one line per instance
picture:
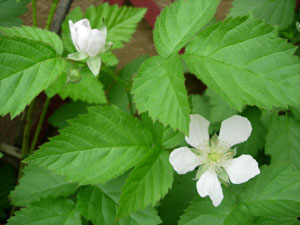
column 223, row 177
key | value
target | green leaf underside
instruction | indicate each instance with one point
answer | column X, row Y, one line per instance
column 96, row 147
column 219, row 109
column 89, row 89
column 10, row 10
column 99, row 204
column 283, row 141
column 36, row 34
column 256, row 140
column 159, row 89
column 270, row 198
column 38, row 183
column 149, row 181
column 276, row 12
column 47, row 212
column 121, row 22
column 245, row 62
column 180, row 22
column 27, row 68
column 66, row 112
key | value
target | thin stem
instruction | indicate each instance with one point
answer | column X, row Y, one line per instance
column 115, row 76
column 39, row 126
column 34, row 13
column 27, row 129
column 51, row 14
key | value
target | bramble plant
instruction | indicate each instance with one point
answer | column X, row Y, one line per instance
column 127, row 139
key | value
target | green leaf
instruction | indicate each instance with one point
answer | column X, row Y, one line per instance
column 66, row 112
column 99, row 204
column 274, row 193
column 88, row 89
column 148, row 182
column 283, row 141
column 233, row 64
column 276, row 12
column 296, row 112
column 180, row 22
column 47, row 212
column 219, row 109
column 10, row 10
column 1, row 155
column 159, row 89
column 200, row 105
column 121, row 22
column 35, row 34
column 96, row 147
column 182, row 192
column 38, row 183
column 270, row 198
column 256, row 140
column 27, row 68
column 201, row 211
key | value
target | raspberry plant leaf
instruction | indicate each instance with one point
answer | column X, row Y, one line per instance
column 148, row 182
column 99, row 204
column 96, row 147
column 38, row 183
column 232, row 62
column 276, row 12
column 27, row 68
column 180, row 22
column 58, row 211
column 159, row 90
column 283, row 141
column 36, row 34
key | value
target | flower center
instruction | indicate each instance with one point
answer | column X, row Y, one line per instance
column 214, row 157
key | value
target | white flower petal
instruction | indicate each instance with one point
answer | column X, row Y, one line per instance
column 208, row 184
column 83, row 37
column 96, row 43
column 94, row 64
column 235, row 130
column 83, row 22
column 74, row 34
column 242, row 169
column 183, row 160
column 198, row 133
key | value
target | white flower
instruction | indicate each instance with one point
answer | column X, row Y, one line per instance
column 215, row 156
column 89, row 43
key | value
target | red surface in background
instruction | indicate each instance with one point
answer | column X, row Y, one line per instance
column 152, row 12
column 298, row 4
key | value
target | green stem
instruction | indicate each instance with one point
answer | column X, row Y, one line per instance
column 34, row 13
column 39, row 126
column 115, row 76
column 51, row 14
column 27, row 129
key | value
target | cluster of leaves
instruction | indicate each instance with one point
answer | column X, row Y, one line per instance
column 107, row 166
